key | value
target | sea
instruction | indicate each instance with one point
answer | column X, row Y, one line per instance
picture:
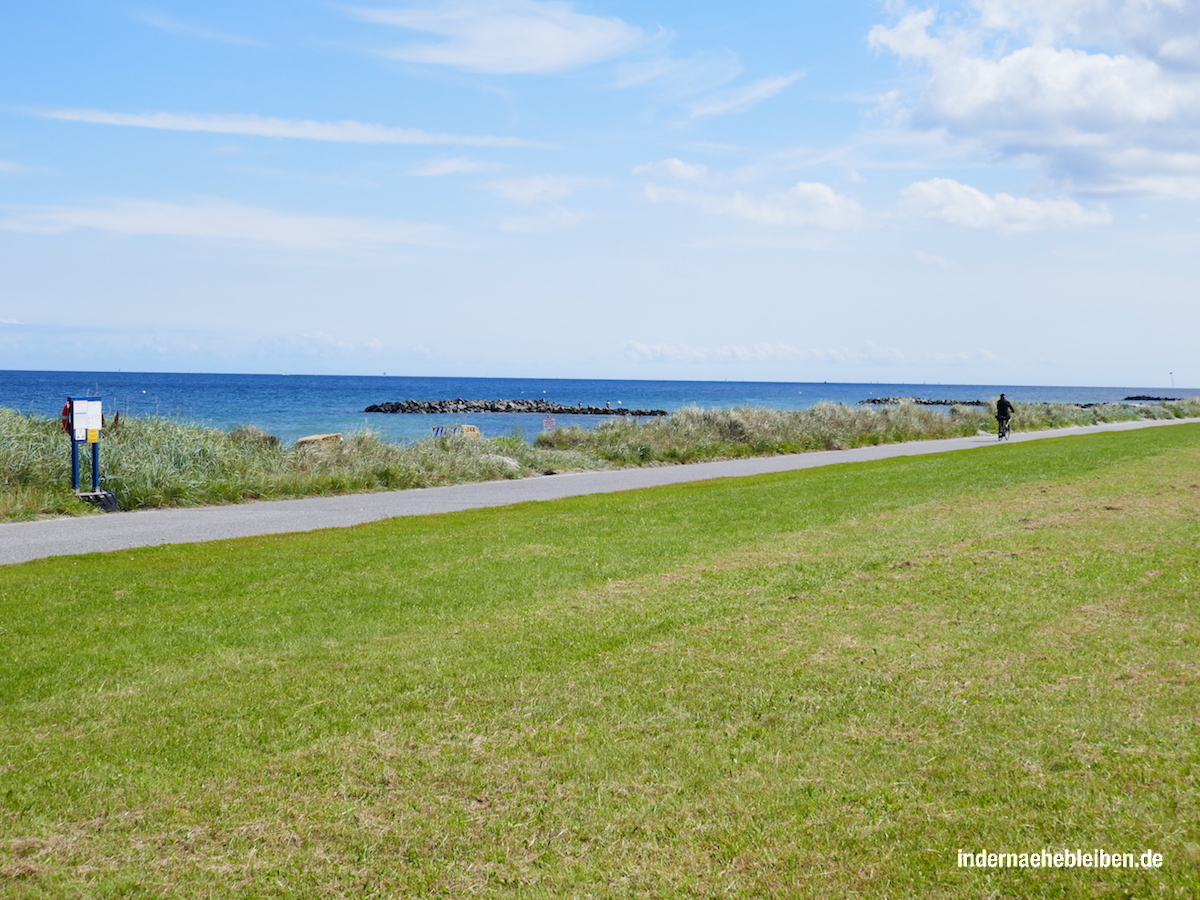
column 293, row 406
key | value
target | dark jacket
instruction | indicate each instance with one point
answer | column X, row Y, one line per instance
column 1004, row 409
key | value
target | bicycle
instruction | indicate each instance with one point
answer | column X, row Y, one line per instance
column 1004, row 429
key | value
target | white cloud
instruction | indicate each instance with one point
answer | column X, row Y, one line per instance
column 1138, row 170
column 959, row 204
column 223, row 220
column 175, row 343
column 11, row 168
column 544, row 193
column 345, row 132
column 540, row 188
column 505, row 37
column 554, row 218
column 735, row 353
column 765, row 351
column 175, row 26
column 743, row 99
column 1071, row 92
column 674, row 168
column 455, row 166
column 1078, row 84
column 1153, row 28
column 317, row 343
column 932, row 259
column 805, row 204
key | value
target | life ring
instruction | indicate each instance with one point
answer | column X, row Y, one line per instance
column 66, row 417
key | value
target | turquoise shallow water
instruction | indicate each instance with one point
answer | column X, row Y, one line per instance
column 292, row 406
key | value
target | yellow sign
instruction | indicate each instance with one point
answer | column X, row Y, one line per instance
column 93, row 435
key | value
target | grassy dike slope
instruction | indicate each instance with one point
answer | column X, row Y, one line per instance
column 817, row 684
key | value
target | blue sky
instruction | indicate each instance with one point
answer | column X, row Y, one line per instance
column 997, row 191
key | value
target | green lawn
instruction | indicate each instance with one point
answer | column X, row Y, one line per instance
column 817, row 684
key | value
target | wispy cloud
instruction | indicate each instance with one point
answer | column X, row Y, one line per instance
column 680, row 77
column 12, row 168
column 177, row 343
column 176, row 26
column 317, row 344
column 540, row 188
column 766, row 351
column 223, row 220
column 674, row 168
column 506, row 37
column 675, row 352
column 456, row 166
column 554, row 218
column 545, row 194
column 344, row 132
column 968, row 207
column 805, row 204
column 744, row 98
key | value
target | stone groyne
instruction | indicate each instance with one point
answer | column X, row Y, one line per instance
column 923, row 401
column 920, row 401
column 539, row 407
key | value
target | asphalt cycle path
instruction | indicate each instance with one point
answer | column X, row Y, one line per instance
column 22, row 541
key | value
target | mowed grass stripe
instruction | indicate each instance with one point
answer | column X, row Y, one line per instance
column 805, row 684
column 104, row 614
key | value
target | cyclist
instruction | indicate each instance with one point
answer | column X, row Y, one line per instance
column 1004, row 411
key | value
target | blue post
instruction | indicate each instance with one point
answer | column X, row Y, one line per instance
column 74, row 464
column 96, row 467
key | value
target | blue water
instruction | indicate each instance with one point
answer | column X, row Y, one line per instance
column 292, row 406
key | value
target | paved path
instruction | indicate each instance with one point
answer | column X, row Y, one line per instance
column 21, row 541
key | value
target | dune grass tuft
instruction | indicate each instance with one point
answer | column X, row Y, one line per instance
column 693, row 433
column 157, row 462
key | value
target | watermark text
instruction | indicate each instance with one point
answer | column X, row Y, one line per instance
column 1059, row 859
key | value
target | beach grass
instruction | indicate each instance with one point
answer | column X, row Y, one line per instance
column 150, row 462
column 694, row 434
column 816, row 684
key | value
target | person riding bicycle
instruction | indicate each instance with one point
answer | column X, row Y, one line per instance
column 1004, row 411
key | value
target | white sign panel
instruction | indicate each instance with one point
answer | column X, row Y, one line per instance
column 86, row 415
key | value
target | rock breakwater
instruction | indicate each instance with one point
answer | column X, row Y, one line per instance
column 920, row 401
column 540, row 407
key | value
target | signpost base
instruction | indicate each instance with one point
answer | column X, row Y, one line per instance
column 105, row 500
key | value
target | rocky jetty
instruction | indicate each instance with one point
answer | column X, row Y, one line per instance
column 920, row 401
column 1154, row 399
column 539, row 407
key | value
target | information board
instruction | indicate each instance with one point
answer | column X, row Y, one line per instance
column 86, row 419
